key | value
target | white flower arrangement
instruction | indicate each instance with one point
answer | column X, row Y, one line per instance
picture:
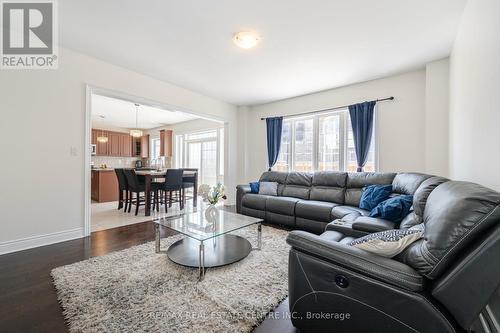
column 212, row 195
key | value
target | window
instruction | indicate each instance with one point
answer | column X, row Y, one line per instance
column 320, row 142
column 303, row 145
column 155, row 148
column 329, row 141
column 204, row 151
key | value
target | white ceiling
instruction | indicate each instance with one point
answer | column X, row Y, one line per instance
column 306, row 46
column 121, row 114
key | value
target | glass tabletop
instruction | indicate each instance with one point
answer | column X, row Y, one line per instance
column 205, row 224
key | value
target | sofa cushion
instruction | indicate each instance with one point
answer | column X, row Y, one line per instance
column 410, row 220
column 275, row 176
column 423, row 191
column 455, row 215
column 313, row 226
column 351, row 217
column 254, row 201
column 298, row 185
column 261, row 214
column 339, row 212
column 314, row 210
column 332, row 236
column 408, row 182
column 268, row 188
column 281, row 205
column 357, row 180
column 280, row 219
column 328, row 186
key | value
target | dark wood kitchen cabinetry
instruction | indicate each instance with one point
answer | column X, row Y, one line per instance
column 144, row 146
column 126, row 145
column 114, row 144
column 103, row 185
column 118, row 144
column 101, row 147
column 166, row 143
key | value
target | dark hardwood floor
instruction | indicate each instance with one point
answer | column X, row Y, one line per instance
column 28, row 301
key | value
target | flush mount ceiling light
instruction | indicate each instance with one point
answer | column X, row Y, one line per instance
column 246, row 39
column 102, row 138
column 136, row 133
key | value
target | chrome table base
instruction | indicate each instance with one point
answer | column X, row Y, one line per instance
column 218, row 251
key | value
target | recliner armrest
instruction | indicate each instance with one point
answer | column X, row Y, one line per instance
column 241, row 190
column 375, row 266
column 372, row 224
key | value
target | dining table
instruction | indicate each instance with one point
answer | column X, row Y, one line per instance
column 150, row 175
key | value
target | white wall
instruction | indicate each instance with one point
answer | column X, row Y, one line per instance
column 43, row 118
column 474, row 93
column 401, row 123
column 437, row 117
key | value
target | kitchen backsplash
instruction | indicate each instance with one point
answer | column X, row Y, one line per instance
column 124, row 162
column 114, row 162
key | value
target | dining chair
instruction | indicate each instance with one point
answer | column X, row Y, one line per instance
column 122, row 187
column 173, row 183
column 135, row 186
column 189, row 182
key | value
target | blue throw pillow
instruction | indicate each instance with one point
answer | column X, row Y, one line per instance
column 373, row 195
column 393, row 209
column 254, row 187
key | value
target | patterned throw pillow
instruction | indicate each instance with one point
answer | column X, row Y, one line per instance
column 389, row 243
column 268, row 188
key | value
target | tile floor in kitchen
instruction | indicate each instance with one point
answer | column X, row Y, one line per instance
column 106, row 215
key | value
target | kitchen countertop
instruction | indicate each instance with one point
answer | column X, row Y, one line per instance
column 103, row 170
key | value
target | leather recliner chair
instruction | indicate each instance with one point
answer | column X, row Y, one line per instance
column 438, row 284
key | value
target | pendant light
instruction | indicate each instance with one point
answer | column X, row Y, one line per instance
column 101, row 138
column 136, row 133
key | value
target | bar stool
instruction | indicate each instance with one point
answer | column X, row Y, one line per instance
column 135, row 186
column 122, row 186
column 188, row 182
column 173, row 183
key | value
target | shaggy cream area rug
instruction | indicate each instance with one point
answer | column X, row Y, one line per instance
column 138, row 290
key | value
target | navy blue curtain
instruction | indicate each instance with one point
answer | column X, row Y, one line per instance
column 274, row 126
column 362, row 128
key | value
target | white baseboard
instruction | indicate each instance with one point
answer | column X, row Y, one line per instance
column 40, row 240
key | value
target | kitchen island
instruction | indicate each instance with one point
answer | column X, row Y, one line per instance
column 104, row 185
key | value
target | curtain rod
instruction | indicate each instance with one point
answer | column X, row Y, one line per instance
column 334, row 108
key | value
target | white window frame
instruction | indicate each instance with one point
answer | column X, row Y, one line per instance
column 153, row 141
column 343, row 135
column 183, row 155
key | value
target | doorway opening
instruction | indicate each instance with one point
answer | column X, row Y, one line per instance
column 141, row 136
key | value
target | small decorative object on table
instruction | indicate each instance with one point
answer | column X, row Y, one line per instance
column 212, row 196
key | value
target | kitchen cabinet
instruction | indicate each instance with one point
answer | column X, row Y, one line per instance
column 166, row 143
column 114, row 144
column 103, row 185
column 119, row 144
column 102, row 147
column 126, row 145
column 145, row 146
